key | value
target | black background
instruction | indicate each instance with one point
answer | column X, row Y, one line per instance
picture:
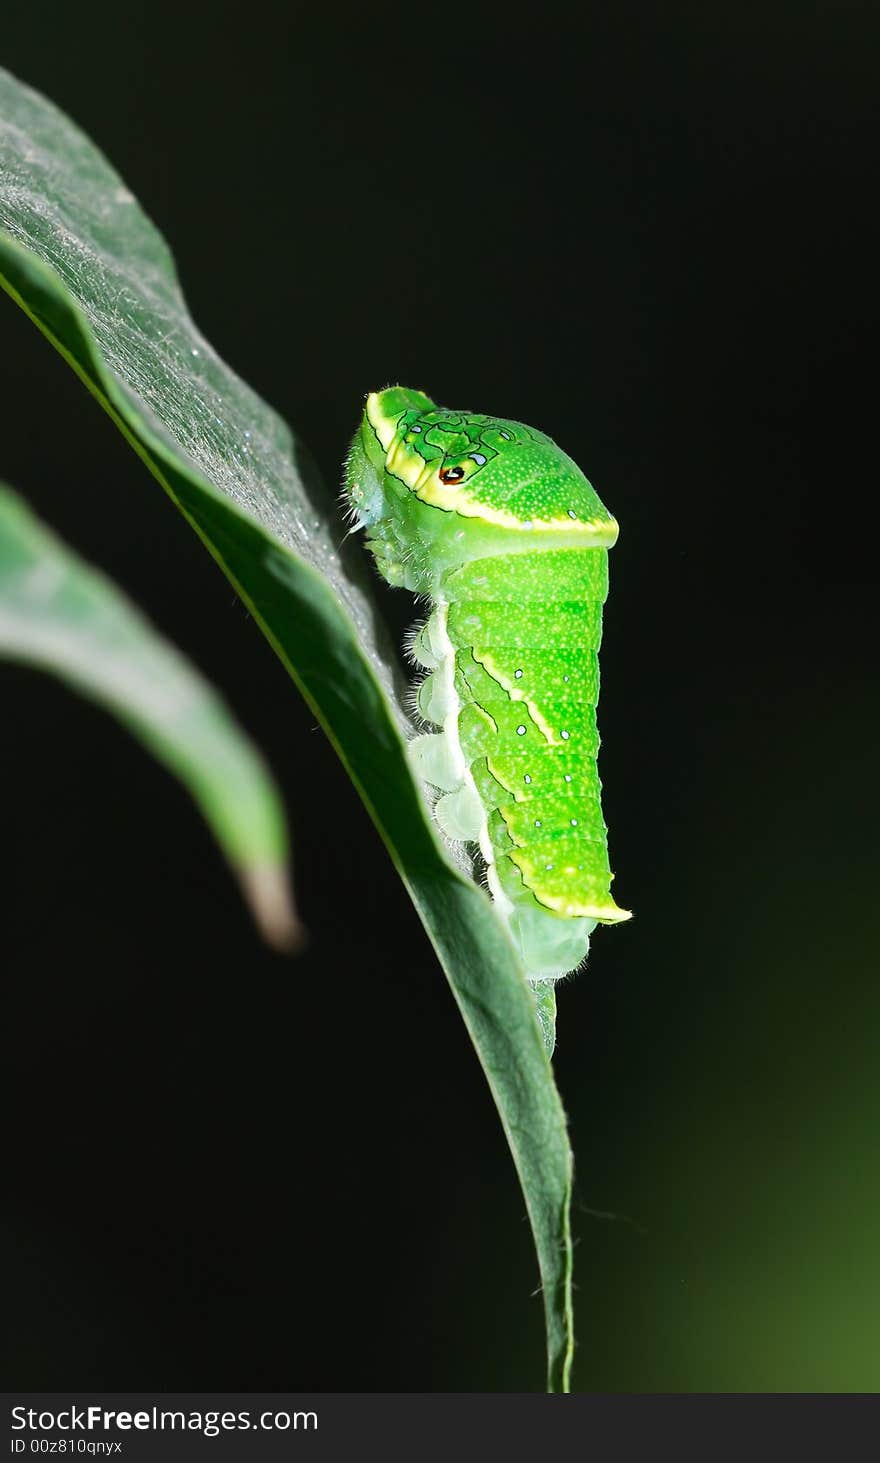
column 646, row 231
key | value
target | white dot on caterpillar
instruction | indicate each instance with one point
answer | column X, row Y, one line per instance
column 571, row 513
column 518, row 674
column 565, row 736
column 548, row 868
column 566, row 678
column 527, row 778
column 521, row 731
column 574, row 822
column 568, row 777
column 537, row 822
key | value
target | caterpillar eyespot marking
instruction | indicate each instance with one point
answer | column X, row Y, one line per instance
column 500, row 531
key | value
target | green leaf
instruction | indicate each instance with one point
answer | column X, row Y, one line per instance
column 59, row 614
column 90, row 270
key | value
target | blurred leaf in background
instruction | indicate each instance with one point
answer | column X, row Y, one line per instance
column 62, row 616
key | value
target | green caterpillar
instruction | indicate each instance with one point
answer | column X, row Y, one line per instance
column 500, row 529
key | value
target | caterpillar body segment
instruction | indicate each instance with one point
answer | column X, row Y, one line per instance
column 508, row 539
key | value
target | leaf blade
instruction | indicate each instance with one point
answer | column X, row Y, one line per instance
column 96, row 278
column 62, row 616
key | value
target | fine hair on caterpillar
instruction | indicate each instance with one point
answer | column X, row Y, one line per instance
column 502, row 536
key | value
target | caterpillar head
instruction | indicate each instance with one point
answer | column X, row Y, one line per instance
column 432, row 476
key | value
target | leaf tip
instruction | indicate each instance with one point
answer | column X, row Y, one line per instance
column 266, row 888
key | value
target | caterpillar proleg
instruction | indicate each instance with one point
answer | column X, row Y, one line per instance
column 501, row 531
